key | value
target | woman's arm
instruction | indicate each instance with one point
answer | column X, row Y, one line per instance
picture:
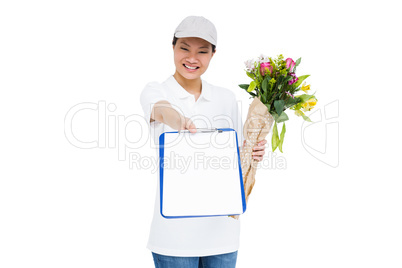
column 163, row 112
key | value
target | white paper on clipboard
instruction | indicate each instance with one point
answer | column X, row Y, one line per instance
column 200, row 174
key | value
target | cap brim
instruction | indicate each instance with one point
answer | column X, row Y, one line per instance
column 190, row 34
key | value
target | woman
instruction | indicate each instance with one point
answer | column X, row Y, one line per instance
column 185, row 101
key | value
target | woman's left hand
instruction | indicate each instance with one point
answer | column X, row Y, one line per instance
column 259, row 150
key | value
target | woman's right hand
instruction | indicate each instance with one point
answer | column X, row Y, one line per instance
column 165, row 113
column 188, row 124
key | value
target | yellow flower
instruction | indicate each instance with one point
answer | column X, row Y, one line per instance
column 308, row 105
column 305, row 88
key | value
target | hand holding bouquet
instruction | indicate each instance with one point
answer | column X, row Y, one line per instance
column 274, row 87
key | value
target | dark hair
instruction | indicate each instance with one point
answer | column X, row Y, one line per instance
column 175, row 40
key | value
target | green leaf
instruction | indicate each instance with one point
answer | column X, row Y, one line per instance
column 306, row 118
column 288, row 78
column 263, row 99
column 291, row 102
column 252, row 86
column 305, row 97
column 275, row 138
column 252, row 76
column 282, row 137
column 244, row 86
column 279, row 104
column 253, row 94
column 265, row 83
column 301, row 79
column 298, row 62
column 282, row 118
column 265, row 94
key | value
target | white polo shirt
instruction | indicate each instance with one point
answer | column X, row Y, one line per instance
column 215, row 107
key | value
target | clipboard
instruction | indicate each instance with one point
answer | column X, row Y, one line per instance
column 200, row 174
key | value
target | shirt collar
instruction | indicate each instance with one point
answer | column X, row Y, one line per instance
column 182, row 93
column 206, row 92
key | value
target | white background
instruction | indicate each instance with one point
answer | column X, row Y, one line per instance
column 64, row 206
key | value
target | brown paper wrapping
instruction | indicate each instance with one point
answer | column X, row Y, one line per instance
column 255, row 129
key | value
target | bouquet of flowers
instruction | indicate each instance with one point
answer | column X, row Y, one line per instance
column 275, row 88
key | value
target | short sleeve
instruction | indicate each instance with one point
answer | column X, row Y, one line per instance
column 151, row 94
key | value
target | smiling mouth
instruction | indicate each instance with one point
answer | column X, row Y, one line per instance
column 191, row 68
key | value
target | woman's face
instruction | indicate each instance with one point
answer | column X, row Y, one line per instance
column 192, row 56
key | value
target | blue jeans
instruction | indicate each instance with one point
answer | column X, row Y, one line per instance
column 227, row 260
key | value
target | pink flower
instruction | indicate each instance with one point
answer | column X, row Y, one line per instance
column 290, row 94
column 294, row 80
column 263, row 67
column 290, row 64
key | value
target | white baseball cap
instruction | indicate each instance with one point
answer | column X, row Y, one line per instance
column 197, row 26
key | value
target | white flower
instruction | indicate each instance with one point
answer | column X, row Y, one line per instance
column 250, row 65
column 263, row 58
